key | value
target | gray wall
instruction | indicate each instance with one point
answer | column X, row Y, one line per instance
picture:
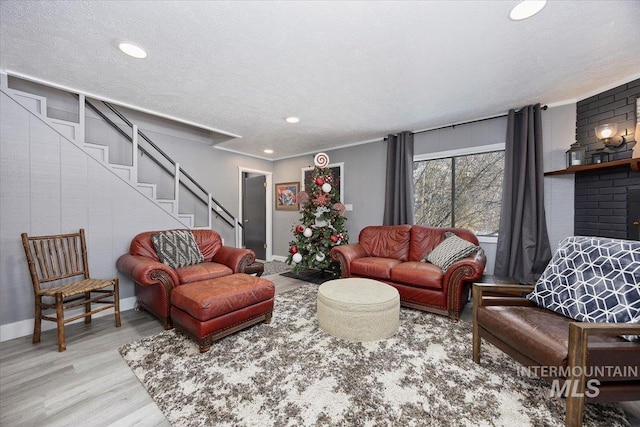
column 364, row 169
column 558, row 133
column 364, row 175
column 50, row 186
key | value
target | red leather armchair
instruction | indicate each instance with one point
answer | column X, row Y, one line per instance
column 154, row 280
column 392, row 254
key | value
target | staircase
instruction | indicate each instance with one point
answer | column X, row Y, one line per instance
column 75, row 133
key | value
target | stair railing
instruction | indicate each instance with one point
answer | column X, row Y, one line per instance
column 212, row 204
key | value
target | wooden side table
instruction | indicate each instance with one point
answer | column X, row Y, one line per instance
column 256, row 268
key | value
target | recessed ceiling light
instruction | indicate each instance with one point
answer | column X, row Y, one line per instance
column 526, row 9
column 292, row 120
column 268, row 151
column 132, row 50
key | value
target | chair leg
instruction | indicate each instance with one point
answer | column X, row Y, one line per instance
column 116, row 301
column 476, row 344
column 37, row 320
column 87, row 308
column 477, row 300
column 62, row 345
column 575, row 410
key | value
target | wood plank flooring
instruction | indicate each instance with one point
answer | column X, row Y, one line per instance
column 90, row 384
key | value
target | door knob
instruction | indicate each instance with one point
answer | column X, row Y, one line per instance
column 246, row 220
column 636, row 222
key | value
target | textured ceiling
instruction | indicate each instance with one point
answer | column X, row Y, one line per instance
column 352, row 71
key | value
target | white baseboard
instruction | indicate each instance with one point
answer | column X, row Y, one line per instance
column 24, row 328
column 278, row 258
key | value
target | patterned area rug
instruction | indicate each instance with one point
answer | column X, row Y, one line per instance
column 275, row 267
column 291, row 373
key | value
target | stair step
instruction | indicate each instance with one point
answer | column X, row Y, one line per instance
column 187, row 219
column 147, row 189
column 98, row 152
column 68, row 129
column 167, row 204
column 123, row 171
column 34, row 103
column 38, row 105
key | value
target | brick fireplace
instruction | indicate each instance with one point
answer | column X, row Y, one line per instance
column 607, row 201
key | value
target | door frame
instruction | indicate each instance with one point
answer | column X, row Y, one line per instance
column 268, row 204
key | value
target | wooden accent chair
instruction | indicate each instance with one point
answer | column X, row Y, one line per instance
column 539, row 338
column 59, row 260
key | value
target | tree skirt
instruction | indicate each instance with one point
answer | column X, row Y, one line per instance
column 290, row 372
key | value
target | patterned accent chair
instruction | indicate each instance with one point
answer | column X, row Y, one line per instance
column 577, row 327
column 154, row 280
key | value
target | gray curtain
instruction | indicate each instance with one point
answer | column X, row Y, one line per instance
column 523, row 243
column 398, row 199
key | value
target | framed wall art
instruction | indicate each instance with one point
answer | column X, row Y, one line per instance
column 287, row 196
column 336, row 168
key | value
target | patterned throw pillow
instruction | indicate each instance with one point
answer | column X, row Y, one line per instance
column 450, row 250
column 177, row 248
column 592, row 279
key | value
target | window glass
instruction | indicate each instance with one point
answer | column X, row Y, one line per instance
column 460, row 191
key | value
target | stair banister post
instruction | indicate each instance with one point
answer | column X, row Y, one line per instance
column 82, row 118
column 176, row 209
column 134, row 157
column 209, row 210
column 237, row 230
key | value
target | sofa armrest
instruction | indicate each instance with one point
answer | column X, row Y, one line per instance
column 457, row 275
column 345, row 254
column 578, row 359
column 489, row 294
column 237, row 259
column 146, row 271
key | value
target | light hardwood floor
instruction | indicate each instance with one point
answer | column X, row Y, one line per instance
column 90, row 384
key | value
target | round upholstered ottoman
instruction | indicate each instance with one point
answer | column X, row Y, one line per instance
column 358, row 309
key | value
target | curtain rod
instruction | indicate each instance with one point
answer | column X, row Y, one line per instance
column 544, row 107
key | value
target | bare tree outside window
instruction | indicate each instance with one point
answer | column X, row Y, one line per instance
column 463, row 191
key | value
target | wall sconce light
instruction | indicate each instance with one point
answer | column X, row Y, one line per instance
column 608, row 134
column 575, row 155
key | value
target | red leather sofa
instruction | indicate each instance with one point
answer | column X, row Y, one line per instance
column 393, row 254
column 154, row 280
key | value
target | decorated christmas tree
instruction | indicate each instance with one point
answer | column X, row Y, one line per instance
column 322, row 223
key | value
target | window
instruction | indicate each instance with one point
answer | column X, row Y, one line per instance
column 461, row 188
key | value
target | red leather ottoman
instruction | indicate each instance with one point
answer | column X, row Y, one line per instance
column 212, row 309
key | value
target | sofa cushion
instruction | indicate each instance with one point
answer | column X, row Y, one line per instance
column 424, row 239
column 592, row 279
column 176, row 248
column 209, row 299
column 202, row 271
column 420, row 274
column 374, row 267
column 450, row 250
column 386, row 241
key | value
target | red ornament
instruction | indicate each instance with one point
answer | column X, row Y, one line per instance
column 333, row 239
column 319, row 181
column 299, row 228
column 293, row 249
